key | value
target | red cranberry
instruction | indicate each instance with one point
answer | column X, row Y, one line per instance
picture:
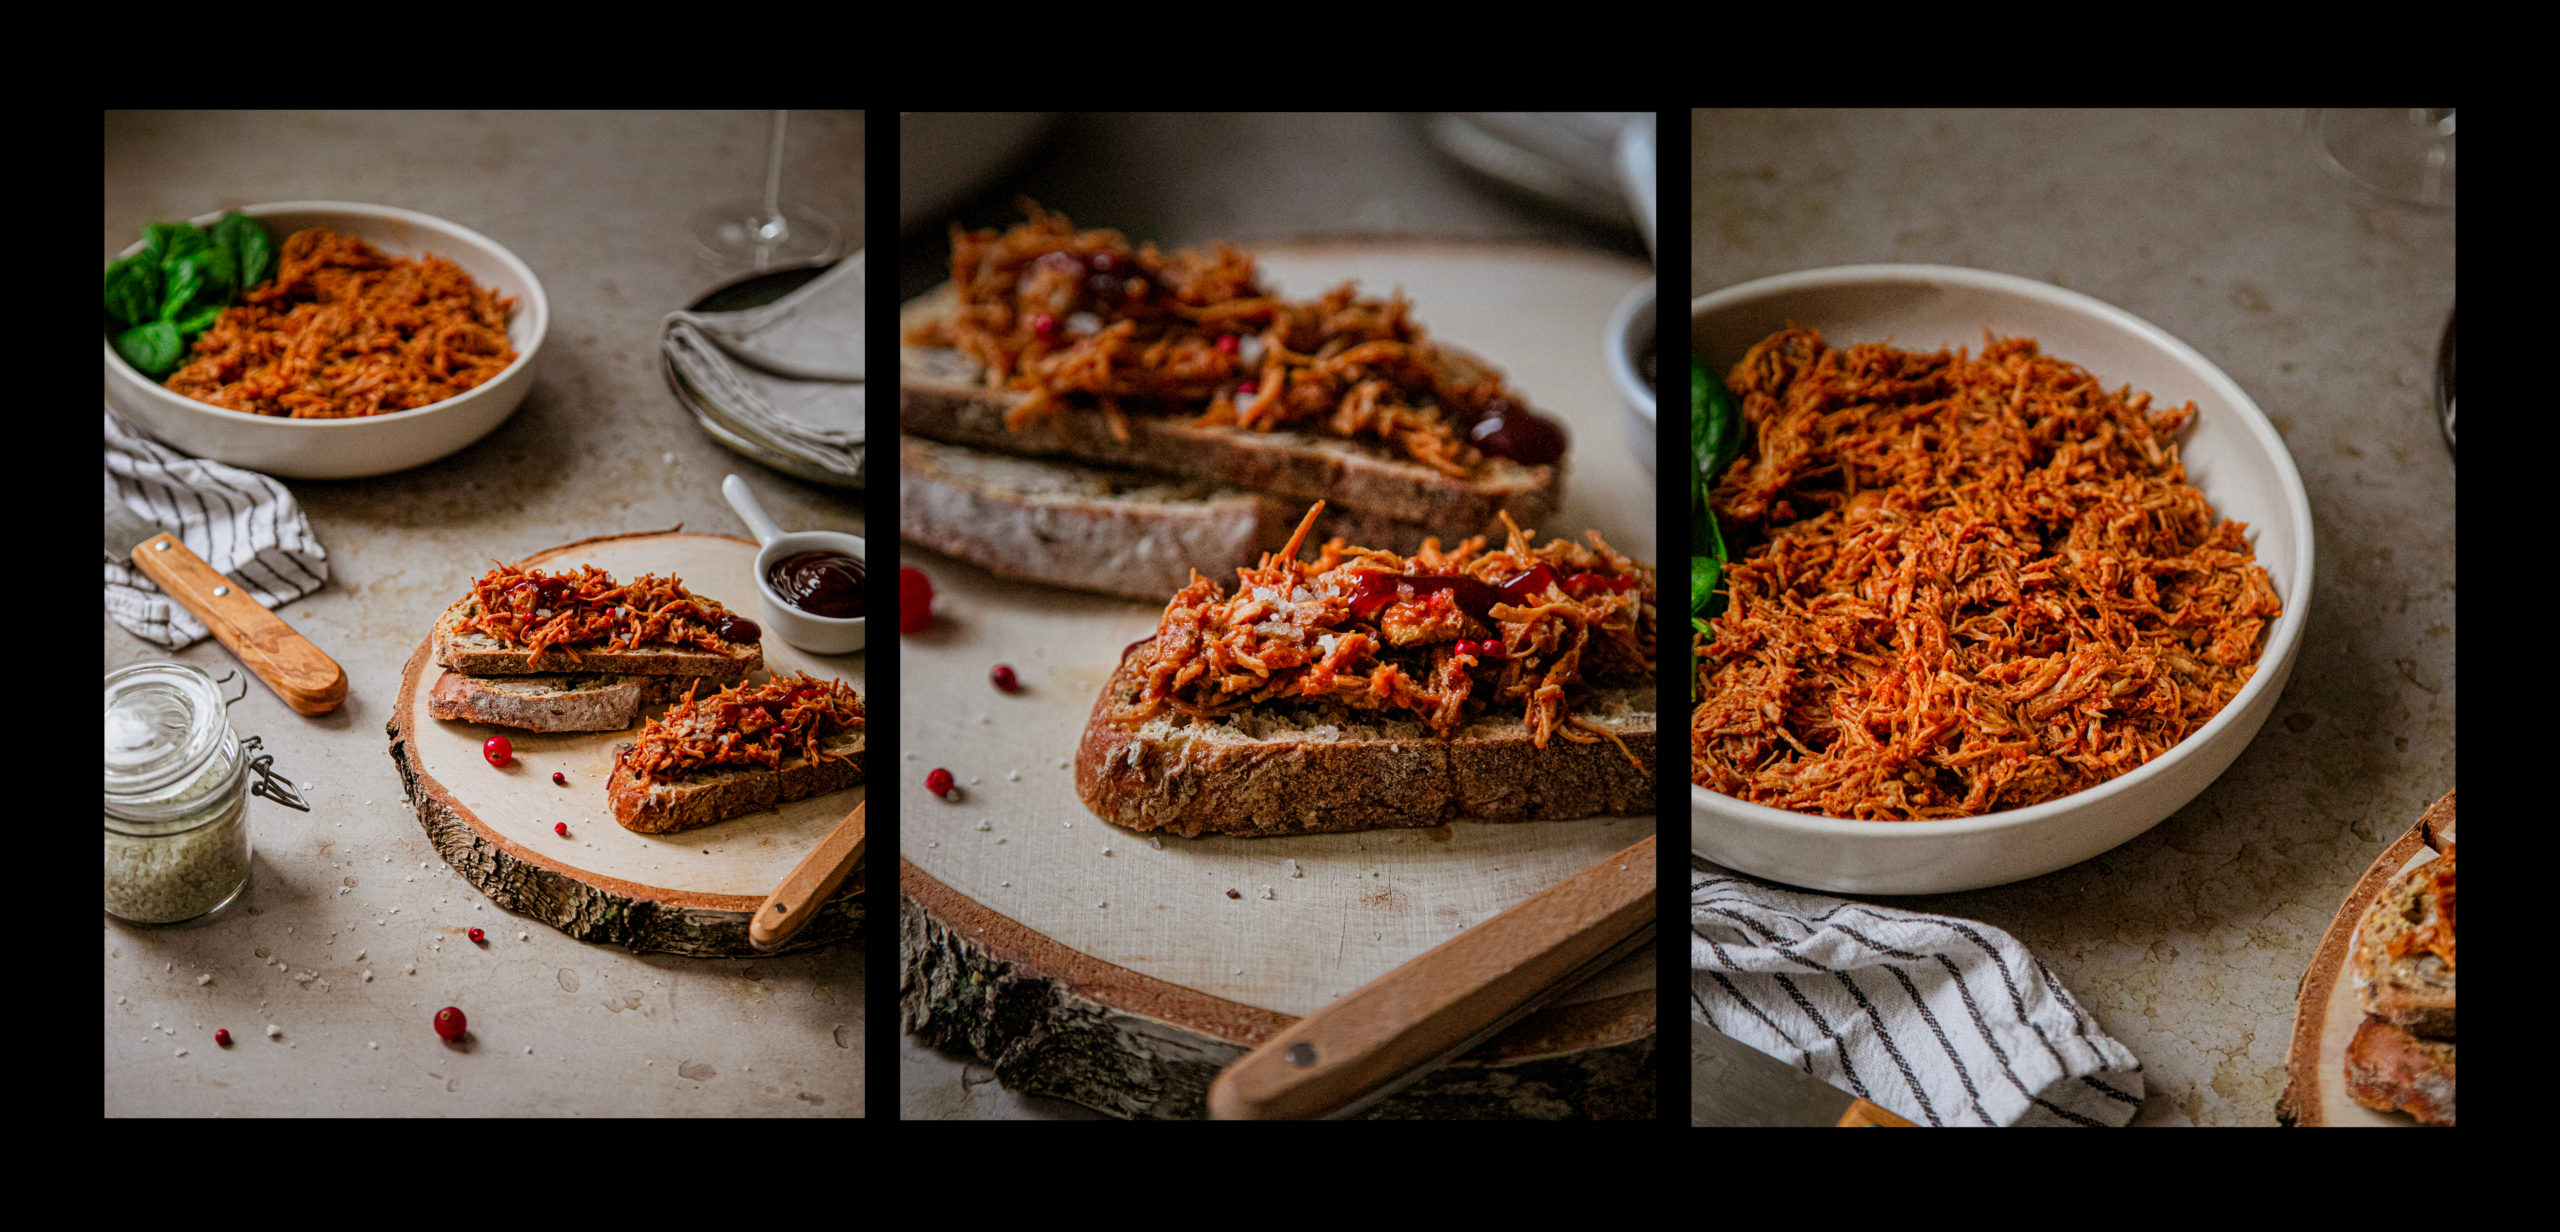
column 938, row 781
column 499, row 750
column 477, row 936
column 222, row 1038
column 1518, row 434
column 1103, row 262
column 559, row 778
column 1491, row 650
column 450, row 1023
column 1248, row 389
column 1465, row 648
column 915, row 601
column 1004, row 679
column 1228, row 344
column 1045, row 326
column 560, row 828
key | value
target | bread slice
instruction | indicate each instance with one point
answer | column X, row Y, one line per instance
column 474, row 653
column 943, row 395
column 553, row 701
column 1084, row 527
column 2411, row 991
column 2390, row 1069
column 1309, row 768
column 700, row 797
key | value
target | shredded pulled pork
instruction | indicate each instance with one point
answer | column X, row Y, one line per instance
column 1442, row 635
column 1080, row 317
column 2434, row 934
column 748, row 725
column 344, row 331
column 539, row 612
column 1970, row 584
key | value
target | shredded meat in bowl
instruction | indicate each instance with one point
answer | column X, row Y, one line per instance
column 1963, row 584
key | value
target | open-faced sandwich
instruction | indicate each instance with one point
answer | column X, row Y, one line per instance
column 1364, row 689
column 1170, row 402
column 2402, row 1057
column 744, row 748
column 581, row 651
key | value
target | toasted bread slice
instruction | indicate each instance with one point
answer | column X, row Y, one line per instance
column 1096, row 528
column 700, row 797
column 477, row 654
column 1305, row 769
column 553, row 701
column 2412, row 991
column 943, row 395
column 2390, row 1069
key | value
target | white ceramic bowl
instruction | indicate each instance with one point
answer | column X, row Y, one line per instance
column 2231, row 452
column 1630, row 337
column 376, row 444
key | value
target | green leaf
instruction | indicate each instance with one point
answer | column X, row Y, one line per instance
column 133, row 290
column 198, row 321
column 184, row 279
column 153, row 349
column 253, row 254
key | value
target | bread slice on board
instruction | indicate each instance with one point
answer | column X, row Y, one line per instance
column 473, row 653
column 2412, row 991
column 700, row 797
column 553, row 701
column 1095, row 528
column 1305, row 769
column 2390, row 1069
column 943, row 395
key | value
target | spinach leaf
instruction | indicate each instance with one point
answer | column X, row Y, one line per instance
column 185, row 279
column 198, row 321
column 153, row 349
column 133, row 290
column 1715, row 438
column 253, row 255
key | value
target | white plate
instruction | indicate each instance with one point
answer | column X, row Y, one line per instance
column 2231, row 452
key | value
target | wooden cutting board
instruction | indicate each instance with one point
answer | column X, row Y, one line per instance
column 2327, row 1009
column 1093, row 963
column 691, row 892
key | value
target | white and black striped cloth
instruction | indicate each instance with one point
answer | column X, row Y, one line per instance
column 242, row 523
column 1940, row 1020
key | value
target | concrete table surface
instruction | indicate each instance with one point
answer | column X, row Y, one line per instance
column 2325, row 302
column 597, row 204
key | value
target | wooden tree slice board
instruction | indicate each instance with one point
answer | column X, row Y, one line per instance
column 2327, row 1009
column 1125, row 980
column 691, row 892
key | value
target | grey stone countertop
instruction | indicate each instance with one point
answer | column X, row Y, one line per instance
column 597, row 204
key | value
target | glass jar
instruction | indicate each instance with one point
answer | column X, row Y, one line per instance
column 177, row 796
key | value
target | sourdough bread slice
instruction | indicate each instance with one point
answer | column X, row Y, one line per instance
column 473, row 653
column 943, row 395
column 2390, row 1069
column 552, row 701
column 700, row 797
column 1305, row 769
column 1095, row 528
column 2411, row 991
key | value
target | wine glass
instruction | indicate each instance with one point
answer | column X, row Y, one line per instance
column 2404, row 153
column 763, row 234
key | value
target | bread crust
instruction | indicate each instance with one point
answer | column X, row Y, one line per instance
column 1287, row 770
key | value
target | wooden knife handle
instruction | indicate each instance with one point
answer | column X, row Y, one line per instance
column 307, row 680
column 1864, row 1115
column 809, row 884
column 1419, row 1011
